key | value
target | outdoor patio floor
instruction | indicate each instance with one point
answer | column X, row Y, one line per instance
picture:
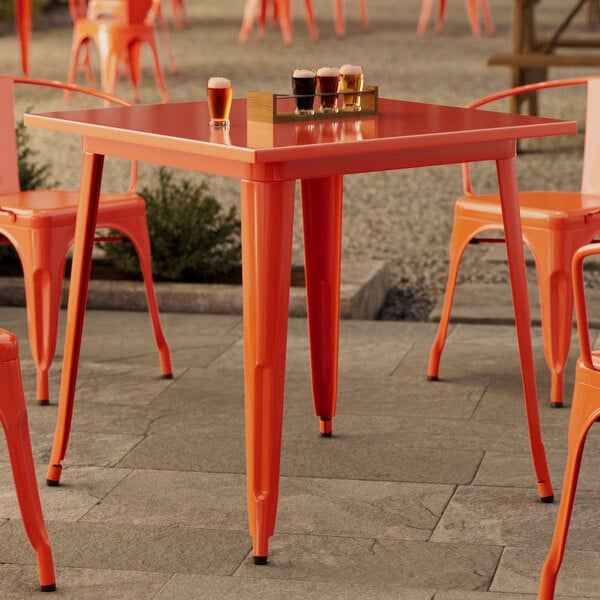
column 426, row 489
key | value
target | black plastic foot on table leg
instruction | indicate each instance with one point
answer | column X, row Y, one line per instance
column 51, row 587
column 547, row 499
column 260, row 560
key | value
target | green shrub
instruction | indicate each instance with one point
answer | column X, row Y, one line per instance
column 192, row 238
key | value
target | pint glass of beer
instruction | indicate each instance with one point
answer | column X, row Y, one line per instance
column 219, row 96
column 304, row 85
column 351, row 82
column 328, row 81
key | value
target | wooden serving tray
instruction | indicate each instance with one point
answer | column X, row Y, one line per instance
column 266, row 107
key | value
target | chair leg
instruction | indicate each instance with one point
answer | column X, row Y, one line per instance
column 362, row 7
column 584, row 412
column 426, row 7
column 462, row 232
column 310, row 20
column 487, row 17
column 157, row 71
column 473, row 17
column 136, row 230
column 340, row 26
column 43, row 265
column 439, row 25
column 13, row 415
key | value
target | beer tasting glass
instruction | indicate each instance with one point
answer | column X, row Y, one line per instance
column 328, row 81
column 351, row 82
column 304, row 85
column 219, row 94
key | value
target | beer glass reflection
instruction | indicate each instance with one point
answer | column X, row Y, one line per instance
column 351, row 82
column 328, row 81
column 219, row 94
column 304, row 82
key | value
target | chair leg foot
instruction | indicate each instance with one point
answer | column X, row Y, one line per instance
column 326, row 427
column 547, row 499
column 53, row 475
column 50, row 587
column 432, row 378
column 43, row 402
column 556, row 404
column 260, row 560
column 168, row 376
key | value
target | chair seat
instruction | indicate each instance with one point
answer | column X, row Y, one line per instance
column 59, row 207
column 552, row 209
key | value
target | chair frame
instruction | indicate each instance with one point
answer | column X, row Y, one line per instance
column 585, row 411
column 552, row 236
column 52, row 222
column 118, row 38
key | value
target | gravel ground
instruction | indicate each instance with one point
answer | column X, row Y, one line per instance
column 402, row 217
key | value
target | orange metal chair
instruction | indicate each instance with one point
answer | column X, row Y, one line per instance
column 180, row 17
column 254, row 9
column 472, row 13
column 119, row 29
column 13, row 416
column 585, row 411
column 41, row 226
column 555, row 224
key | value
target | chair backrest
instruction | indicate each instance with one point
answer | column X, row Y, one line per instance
column 123, row 11
column 583, row 330
column 590, row 180
column 9, row 167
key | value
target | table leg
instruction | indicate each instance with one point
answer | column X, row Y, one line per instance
column 267, row 214
column 507, row 181
column 91, row 177
column 322, row 220
column 23, row 18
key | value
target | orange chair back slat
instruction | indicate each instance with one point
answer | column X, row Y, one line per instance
column 9, row 169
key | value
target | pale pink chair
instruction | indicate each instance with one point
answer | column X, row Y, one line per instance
column 118, row 28
column 472, row 13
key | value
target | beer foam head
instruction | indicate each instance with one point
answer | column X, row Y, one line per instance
column 328, row 72
column 219, row 82
column 301, row 73
column 350, row 70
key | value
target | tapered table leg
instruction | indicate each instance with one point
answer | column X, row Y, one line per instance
column 507, row 181
column 267, row 214
column 91, row 176
column 322, row 220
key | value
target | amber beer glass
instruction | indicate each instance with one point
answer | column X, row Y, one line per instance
column 304, row 85
column 219, row 96
column 351, row 82
column 328, row 82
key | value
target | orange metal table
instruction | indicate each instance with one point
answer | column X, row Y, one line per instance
column 268, row 159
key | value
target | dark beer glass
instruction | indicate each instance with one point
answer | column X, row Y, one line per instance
column 328, row 82
column 304, row 83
